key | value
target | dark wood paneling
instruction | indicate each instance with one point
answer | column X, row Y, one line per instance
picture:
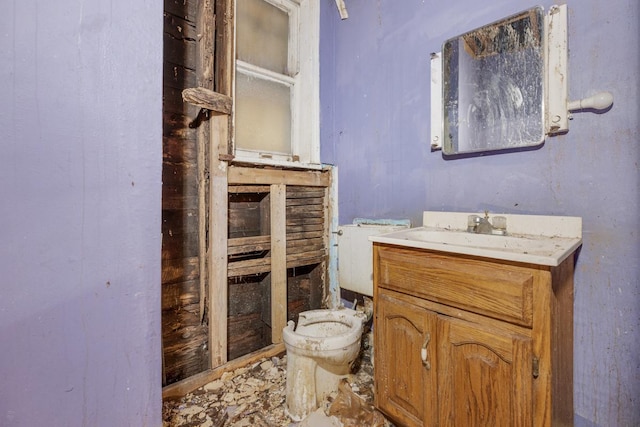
column 183, row 333
column 185, row 9
column 177, row 76
column 176, row 296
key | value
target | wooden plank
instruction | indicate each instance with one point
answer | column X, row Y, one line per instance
column 205, row 28
column 177, row 125
column 173, row 200
column 246, row 175
column 235, row 189
column 305, row 221
column 178, row 150
column 179, row 28
column 177, row 76
column 221, row 131
column 278, row 262
column 298, row 246
column 179, row 222
column 179, row 270
column 179, row 51
column 305, row 201
column 182, row 175
column 184, row 342
column 244, row 219
column 236, row 266
column 182, row 388
column 305, row 235
column 208, row 99
column 246, row 334
column 305, row 211
column 295, row 192
column 172, row 102
column 253, row 240
column 179, row 246
column 243, row 245
column 180, row 294
column 249, row 267
column 218, row 211
column 181, row 8
column 306, row 258
column 187, row 358
column 294, row 229
column 225, row 47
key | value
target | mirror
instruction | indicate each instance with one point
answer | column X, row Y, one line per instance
column 493, row 86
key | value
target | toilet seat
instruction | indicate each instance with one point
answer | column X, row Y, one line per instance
column 313, row 334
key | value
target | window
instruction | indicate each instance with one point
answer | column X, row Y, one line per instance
column 276, row 93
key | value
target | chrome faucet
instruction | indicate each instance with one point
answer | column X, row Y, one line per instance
column 479, row 225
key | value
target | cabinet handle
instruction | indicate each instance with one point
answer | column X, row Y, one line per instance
column 423, row 351
column 536, row 367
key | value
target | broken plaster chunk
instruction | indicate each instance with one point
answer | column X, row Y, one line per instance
column 192, row 410
column 240, row 371
column 266, row 365
column 214, row 385
column 319, row 419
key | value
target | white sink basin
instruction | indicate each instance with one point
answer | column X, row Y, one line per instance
column 546, row 245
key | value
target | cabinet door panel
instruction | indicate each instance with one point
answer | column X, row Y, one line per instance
column 485, row 376
column 405, row 384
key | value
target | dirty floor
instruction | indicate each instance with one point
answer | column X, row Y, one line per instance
column 255, row 396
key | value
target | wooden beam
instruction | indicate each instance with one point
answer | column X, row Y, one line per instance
column 221, row 131
column 246, row 175
column 182, row 388
column 205, row 26
column 218, row 240
column 208, row 99
column 278, row 261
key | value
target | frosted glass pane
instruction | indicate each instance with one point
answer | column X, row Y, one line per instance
column 262, row 35
column 263, row 115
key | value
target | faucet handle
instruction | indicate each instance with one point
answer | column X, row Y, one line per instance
column 472, row 221
column 499, row 222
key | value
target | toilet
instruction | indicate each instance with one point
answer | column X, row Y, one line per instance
column 325, row 343
column 320, row 352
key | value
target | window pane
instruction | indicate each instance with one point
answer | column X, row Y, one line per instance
column 263, row 115
column 262, row 35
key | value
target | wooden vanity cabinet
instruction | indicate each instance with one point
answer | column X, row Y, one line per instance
column 469, row 341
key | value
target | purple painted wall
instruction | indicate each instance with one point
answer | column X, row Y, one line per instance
column 80, row 192
column 376, row 124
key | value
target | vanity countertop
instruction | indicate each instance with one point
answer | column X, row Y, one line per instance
column 534, row 239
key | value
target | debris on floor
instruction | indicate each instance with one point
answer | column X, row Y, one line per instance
column 255, row 396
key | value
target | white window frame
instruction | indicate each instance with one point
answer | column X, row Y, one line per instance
column 304, row 70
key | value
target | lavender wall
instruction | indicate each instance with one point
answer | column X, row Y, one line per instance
column 375, row 127
column 80, row 191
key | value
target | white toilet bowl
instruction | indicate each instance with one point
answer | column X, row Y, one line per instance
column 320, row 352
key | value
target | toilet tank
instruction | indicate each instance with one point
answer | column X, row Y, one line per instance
column 355, row 253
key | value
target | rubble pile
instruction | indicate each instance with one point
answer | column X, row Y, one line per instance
column 255, row 396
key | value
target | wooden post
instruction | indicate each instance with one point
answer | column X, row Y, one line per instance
column 278, row 261
column 218, row 237
column 205, row 28
column 219, row 192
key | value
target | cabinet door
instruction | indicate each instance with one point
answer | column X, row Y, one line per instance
column 484, row 376
column 405, row 364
